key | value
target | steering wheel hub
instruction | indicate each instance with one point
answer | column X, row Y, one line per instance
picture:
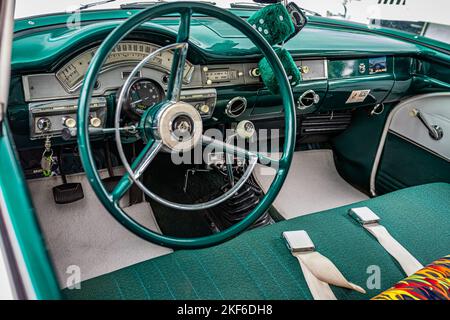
column 178, row 125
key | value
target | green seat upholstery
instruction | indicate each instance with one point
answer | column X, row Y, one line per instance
column 257, row 264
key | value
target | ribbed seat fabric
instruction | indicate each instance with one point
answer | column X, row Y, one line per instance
column 257, row 264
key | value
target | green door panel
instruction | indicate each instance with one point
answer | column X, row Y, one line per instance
column 404, row 164
column 18, row 206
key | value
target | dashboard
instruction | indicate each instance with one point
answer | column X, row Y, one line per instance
column 341, row 70
column 52, row 97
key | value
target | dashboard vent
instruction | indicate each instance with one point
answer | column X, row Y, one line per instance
column 325, row 123
column 236, row 107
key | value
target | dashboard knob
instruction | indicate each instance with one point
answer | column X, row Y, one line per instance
column 44, row 124
column 304, row 69
column 95, row 122
column 255, row 72
column 204, row 108
column 69, row 122
column 205, row 69
column 209, row 82
column 245, row 129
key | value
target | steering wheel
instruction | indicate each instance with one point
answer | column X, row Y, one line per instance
column 156, row 126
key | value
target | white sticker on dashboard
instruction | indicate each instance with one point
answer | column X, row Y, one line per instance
column 358, row 96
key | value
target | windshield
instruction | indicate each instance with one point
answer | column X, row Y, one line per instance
column 426, row 18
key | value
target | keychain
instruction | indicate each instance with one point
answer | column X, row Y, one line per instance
column 47, row 158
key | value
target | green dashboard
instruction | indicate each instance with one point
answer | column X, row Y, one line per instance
column 344, row 66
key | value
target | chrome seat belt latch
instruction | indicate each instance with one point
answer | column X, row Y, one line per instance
column 364, row 216
column 298, row 241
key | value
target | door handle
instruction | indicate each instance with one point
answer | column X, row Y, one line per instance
column 435, row 131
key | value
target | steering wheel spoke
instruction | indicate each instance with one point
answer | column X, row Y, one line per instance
column 179, row 57
column 138, row 167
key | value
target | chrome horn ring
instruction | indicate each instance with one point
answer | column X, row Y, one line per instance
column 161, row 126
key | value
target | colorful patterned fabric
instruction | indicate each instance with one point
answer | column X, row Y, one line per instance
column 429, row 283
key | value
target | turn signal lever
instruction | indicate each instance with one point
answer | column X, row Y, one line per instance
column 435, row 131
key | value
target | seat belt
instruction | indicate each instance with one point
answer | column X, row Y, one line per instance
column 318, row 271
column 370, row 221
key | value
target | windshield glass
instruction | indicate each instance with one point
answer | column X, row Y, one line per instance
column 426, row 18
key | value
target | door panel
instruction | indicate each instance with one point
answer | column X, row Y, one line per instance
column 408, row 155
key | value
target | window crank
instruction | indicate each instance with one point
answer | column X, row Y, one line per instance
column 435, row 131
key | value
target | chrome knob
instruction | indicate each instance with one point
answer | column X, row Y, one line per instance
column 255, row 73
column 204, row 108
column 95, row 122
column 44, row 124
column 69, row 122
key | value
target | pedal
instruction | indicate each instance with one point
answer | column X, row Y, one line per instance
column 68, row 193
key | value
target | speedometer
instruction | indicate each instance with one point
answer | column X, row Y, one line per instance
column 72, row 73
column 143, row 94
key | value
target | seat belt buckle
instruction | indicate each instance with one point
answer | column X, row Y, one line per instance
column 298, row 241
column 364, row 216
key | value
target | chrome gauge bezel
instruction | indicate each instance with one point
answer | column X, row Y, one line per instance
column 127, row 107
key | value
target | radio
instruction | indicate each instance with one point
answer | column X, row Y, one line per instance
column 50, row 118
column 204, row 100
column 220, row 75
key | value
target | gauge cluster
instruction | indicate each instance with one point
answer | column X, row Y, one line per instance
column 71, row 75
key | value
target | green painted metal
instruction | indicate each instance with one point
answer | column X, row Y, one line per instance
column 23, row 218
column 179, row 58
column 83, row 137
column 228, row 42
column 339, row 91
column 96, row 15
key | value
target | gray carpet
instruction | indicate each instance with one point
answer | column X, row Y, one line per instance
column 313, row 184
column 84, row 234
